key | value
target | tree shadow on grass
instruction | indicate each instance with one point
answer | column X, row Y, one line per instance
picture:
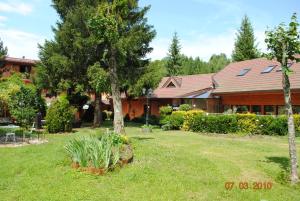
column 284, row 164
column 143, row 138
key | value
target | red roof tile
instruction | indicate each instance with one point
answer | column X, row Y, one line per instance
column 184, row 85
column 20, row 60
column 227, row 80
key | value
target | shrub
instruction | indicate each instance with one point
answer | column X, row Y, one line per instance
column 214, row 123
column 60, row 116
column 185, row 107
column 154, row 120
column 165, row 110
column 176, row 120
column 189, row 118
column 247, row 123
column 297, row 122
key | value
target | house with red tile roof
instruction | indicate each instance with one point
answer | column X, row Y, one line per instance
column 256, row 86
column 248, row 86
column 191, row 89
column 21, row 65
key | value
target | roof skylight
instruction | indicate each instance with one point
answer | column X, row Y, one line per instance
column 288, row 65
column 268, row 69
column 244, row 71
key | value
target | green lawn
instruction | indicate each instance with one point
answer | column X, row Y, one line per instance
column 167, row 166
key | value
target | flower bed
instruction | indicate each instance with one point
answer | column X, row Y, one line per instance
column 99, row 155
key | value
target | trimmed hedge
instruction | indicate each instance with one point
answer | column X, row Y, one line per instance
column 177, row 119
column 198, row 121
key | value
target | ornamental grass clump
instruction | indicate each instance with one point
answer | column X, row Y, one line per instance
column 97, row 155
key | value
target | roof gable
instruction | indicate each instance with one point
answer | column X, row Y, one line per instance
column 184, row 85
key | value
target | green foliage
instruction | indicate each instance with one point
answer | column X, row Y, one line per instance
column 165, row 110
column 3, row 50
column 191, row 66
column 189, row 118
column 60, row 116
column 174, row 57
column 198, row 121
column 98, row 78
column 24, row 105
column 152, row 119
column 176, row 120
column 93, row 152
column 185, row 107
column 284, row 42
column 155, row 71
column 245, row 47
column 23, row 100
column 247, row 123
column 214, row 124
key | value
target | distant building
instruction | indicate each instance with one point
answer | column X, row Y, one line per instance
column 21, row 65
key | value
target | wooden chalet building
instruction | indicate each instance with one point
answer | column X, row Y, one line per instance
column 195, row 90
column 256, row 86
column 253, row 86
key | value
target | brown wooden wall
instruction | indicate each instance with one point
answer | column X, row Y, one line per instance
column 258, row 99
column 135, row 108
column 13, row 67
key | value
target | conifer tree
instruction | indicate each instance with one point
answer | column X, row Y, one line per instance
column 174, row 57
column 3, row 50
column 245, row 47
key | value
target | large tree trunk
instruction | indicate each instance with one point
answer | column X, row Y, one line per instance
column 116, row 94
column 98, row 110
column 291, row 125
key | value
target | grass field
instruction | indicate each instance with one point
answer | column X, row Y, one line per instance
column 171, row 165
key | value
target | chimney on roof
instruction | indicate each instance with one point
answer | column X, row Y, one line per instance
column 23, row 57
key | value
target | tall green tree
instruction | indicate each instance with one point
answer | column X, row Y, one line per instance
column 174, row 57
column 122, row 30
column 245, row 47
column 3, row 50
column 99, row 82
column 65, row 60
column 218, row 62
column 284, row 44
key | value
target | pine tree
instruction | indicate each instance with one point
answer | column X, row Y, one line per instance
column 3, row 50
column 122, row 30
column 245, row 47
column 174, row 57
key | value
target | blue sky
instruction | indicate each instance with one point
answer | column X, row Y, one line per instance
column 205, row 27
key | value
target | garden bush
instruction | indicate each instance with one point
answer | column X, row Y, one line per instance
column 214, row 124
column 153, row 120
column 176, row 120
column 198, row 121
column 247, row 123
column 165, row 110
column 60, row 116
column 185, row 107
column 189, row 118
